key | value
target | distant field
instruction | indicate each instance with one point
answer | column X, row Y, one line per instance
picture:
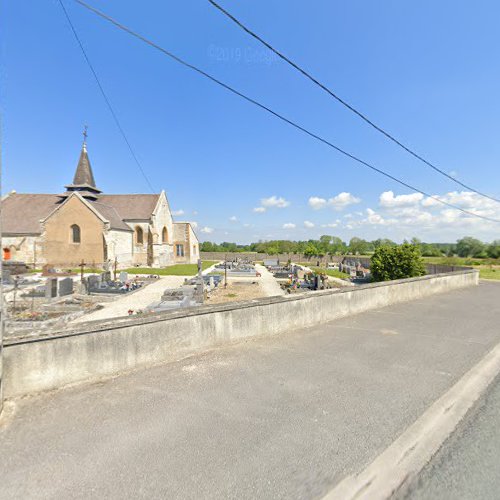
column 176, row 270
column 461, row 261
column 488, row 268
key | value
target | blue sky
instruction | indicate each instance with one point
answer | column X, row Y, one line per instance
column 427, row 71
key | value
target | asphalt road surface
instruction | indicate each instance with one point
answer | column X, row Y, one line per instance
column 282, row 417
column 468, row 464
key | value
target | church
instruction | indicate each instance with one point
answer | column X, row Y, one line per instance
column 84, row 224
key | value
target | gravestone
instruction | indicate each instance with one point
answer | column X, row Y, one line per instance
column 65, row 287
column 6, row 279
column 123, row 277
column 93, row 282
column 51, row 288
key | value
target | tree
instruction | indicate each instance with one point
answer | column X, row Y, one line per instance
column 493, row 249
column 383, row 241
column 470, row 247
column 396, row 262
column 357, row 246
column 310, row 250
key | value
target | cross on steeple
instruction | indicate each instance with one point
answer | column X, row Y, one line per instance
column 85, row 136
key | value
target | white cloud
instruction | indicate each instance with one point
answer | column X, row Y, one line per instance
column 338, row 202
column 317, row 203
column 388, row 200
column 195, row 212
column 308, row 224
column 233, row 218
column 259, row 210
column 207, row 230
column 289, row 225
column 274, row 202
column 343, row 200
column 331, row 224
column 194, row 224
column 178, row 212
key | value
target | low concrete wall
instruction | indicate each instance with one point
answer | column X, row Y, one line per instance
column 98, row 349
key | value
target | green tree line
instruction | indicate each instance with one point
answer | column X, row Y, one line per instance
column 333, row 245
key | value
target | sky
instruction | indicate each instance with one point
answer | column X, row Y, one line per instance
column 425, row 71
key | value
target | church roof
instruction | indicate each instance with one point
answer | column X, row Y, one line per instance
column 131, row 206
column 21, row 213
column 111, row 215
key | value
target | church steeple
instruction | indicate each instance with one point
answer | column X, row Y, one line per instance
column 84, row 181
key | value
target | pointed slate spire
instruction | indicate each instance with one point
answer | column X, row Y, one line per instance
column 84, row 181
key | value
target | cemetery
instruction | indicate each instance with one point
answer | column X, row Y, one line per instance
column 53, row 298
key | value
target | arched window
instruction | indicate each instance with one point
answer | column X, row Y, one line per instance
column 164, row 235
column 194, row 249
column 6, row 254
column 139, row 235
column 75, row 234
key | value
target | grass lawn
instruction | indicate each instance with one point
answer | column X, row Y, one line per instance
column 75, row 271
column 176, row 270
column 489, row 273
column 331, row 272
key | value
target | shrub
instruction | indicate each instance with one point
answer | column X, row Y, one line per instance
column 397, row 262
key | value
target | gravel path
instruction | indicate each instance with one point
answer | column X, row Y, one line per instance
column 268, row 283
column 137, row 300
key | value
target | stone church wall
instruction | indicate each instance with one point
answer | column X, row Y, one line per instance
column 120, row 246
column 58, row 248
column 27, row 249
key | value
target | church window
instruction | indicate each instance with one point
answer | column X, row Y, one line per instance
column 194, row 249
column 75, row 234
column 6, row 254
column 179, row 250
column 164, row 235
column 139, row 235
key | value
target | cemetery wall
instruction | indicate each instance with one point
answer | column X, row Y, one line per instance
column 96, row 350
column 261, row 256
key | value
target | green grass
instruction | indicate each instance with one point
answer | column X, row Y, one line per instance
column 331, row 272
column 489, row 273
column 461, row 261
column 75, row 271
column 176, row 270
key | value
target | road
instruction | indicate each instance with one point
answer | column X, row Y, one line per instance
column 282, row 417
column 467, row 466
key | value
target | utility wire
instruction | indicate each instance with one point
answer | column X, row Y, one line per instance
column 106, row 99
column 274, row 113
column 346, row 104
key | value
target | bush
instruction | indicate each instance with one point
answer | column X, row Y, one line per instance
column 397, row 262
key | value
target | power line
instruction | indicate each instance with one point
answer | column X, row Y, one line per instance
column 106, row 99
column 274, row 113
column 346, row 104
